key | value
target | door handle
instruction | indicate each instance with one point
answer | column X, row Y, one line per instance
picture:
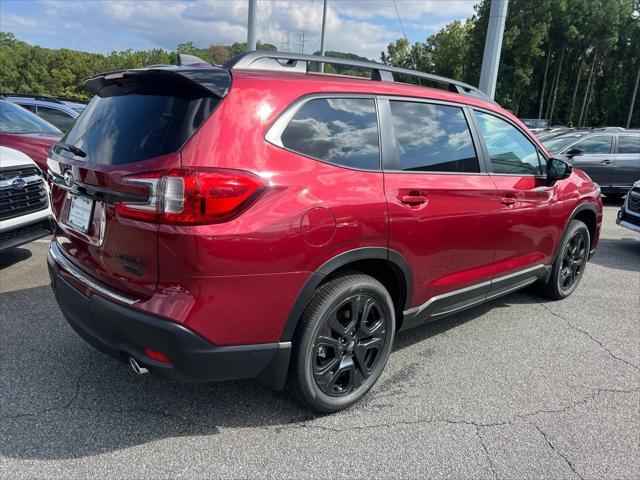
column 606, row 162
column 508, row 200
column 414, row 199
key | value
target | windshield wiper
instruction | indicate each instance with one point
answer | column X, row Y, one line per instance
column 78, row 152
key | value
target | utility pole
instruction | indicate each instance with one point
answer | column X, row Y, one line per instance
column 300, row 43
column 285, row 42
column 324, row 24
column 251, row 25
column 492, row 47
column 633, row 97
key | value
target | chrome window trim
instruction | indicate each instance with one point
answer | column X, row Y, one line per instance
column 588, row 136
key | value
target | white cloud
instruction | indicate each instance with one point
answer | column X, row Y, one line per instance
column 362, row 27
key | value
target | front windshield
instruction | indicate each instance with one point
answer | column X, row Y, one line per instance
column 557, row 144
column 15, row 119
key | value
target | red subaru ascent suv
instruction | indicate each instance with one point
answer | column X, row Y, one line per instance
column 259, row 220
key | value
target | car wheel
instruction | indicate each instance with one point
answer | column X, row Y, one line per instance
column 342, row 343
column 570, row 261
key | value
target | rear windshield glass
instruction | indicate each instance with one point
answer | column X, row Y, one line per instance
column 129, row 128
column 15, row 119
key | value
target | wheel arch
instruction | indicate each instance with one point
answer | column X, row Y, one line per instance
column 588, row 214
column 387, row 266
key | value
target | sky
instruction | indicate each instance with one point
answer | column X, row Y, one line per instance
column 364, row 27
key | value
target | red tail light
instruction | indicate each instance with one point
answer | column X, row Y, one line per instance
column 193, row 197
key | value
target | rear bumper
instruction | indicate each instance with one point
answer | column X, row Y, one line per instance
column 121, row 332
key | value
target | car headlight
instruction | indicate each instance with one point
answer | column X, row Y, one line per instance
column 637, row 184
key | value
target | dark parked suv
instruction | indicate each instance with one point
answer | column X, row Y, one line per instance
column 610, row 156
column 260, row 221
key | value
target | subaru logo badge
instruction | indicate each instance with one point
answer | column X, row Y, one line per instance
column 68, row 178
column 18, row 183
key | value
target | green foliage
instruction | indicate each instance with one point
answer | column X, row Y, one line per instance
column 61, row 72
column 572, row 33
column 341, row 69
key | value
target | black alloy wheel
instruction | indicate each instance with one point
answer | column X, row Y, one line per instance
column 570, row 262
column 574, row 259
column 349, row 344
column 342, row 343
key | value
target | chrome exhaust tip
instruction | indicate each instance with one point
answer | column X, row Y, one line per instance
column 136, row 367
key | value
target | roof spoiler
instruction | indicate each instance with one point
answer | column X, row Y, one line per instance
column 180, row 81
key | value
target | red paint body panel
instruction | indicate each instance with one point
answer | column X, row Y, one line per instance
column 236, row 282
column 450, row 240
column 34, row 145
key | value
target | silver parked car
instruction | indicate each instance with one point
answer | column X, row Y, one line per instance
column 60, row 113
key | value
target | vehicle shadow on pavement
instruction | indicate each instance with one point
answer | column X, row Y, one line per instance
column 618, row 253
column 13, row 256
column 61, row 399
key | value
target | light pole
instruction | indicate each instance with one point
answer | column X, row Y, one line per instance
column 636, row 16
column 251, row 26
column 324, row 24
column 492, row 47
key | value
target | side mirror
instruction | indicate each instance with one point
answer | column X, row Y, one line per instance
column 558, row 170
column 574, row 152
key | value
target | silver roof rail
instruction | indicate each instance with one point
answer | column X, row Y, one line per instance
column 299, row 63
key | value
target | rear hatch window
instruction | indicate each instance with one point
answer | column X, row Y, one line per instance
column 135, row 124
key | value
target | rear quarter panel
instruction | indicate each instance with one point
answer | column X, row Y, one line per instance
column 235, row 282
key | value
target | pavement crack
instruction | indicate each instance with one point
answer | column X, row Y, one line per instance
column 556, row 451
column 471, row 423
column 486, row 452
column 65, row 405
column 587, row 334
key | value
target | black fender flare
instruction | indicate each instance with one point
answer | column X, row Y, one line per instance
column 584, row 206
column 330, row 266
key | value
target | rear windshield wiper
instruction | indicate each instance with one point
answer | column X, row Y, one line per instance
column 78, row 152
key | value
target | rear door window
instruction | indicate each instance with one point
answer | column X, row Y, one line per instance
column 62, row 120
column 594, row 145
column 343, row 131
column 130, row 128
column 432, row 138
column 629, row 144
column 510, row 151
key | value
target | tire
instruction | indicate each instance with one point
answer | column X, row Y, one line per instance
column 336, row 359
column 570, row 262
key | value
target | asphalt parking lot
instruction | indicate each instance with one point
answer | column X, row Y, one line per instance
column 518, row 388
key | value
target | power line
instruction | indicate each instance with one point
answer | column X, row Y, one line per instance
column 400, row 21
column 413, row 58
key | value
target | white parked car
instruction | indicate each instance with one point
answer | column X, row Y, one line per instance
column 25, row 214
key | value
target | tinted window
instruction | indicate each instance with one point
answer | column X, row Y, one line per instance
column 130, row 128
column 629, row 144
column 509, row 150
column 555, row 145
column 433, row 138
column 15, row 119
column 336, row 130
column 31, row 108
column 62, row 120
column 594, row 145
